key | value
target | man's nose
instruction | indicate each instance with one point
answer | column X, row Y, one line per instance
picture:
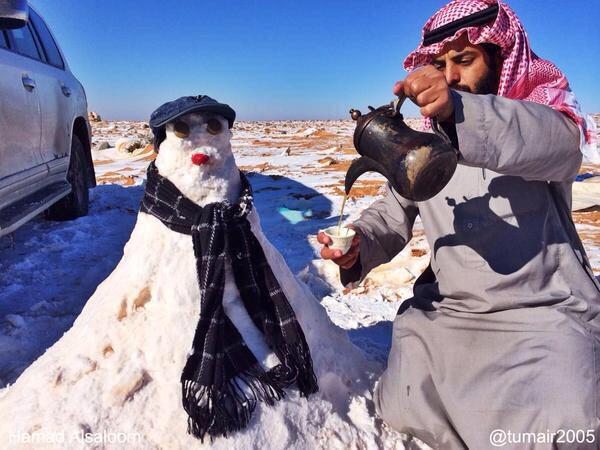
column 452, row 74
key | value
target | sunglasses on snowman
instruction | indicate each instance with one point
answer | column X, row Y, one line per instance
column 182, row 129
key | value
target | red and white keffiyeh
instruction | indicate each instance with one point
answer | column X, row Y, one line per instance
column 524, row 75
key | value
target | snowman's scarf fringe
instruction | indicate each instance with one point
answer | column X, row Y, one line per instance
column 222, row 411
column 219, row 412
column 222, row 381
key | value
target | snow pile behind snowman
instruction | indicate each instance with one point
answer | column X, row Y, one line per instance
column 118, row 369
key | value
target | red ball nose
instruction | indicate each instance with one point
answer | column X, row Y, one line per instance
column 199, row 159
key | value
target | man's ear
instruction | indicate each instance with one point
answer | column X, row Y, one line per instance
column 494, row 56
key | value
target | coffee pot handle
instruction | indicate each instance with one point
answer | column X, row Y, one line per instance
column 397, row 104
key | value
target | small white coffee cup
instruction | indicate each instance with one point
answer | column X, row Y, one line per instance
column 341, row 241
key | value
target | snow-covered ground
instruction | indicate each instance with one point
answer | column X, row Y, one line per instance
column 48, row 270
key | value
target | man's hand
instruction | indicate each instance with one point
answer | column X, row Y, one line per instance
column 427, row 88
column 344, row 261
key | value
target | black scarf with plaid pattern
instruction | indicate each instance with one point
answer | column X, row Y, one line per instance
column 222, row 381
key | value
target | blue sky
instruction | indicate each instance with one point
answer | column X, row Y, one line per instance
column 281, row 59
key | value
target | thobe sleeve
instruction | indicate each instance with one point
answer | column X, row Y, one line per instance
column 514, row 137
column 384, row 229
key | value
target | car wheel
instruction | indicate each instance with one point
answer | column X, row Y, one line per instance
column 75, row 204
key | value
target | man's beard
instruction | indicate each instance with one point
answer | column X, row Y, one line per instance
column 486, row 85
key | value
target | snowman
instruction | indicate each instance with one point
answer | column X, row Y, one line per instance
column 201, row 336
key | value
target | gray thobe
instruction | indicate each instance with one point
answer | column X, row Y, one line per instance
column 503, row 331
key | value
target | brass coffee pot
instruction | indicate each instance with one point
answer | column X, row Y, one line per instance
column 418, row 165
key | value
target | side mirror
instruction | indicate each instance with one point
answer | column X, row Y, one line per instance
column 13, row 14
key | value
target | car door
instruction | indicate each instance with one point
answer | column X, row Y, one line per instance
column 20, row 121
column 54, row 93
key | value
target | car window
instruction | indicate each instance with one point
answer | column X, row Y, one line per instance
column 23, row 42
column 3, row 41
column 52, row 53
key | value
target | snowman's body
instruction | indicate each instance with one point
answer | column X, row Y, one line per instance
column 117, row 370
column 215, row 180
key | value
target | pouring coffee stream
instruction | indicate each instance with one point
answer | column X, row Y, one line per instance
column 418, row 165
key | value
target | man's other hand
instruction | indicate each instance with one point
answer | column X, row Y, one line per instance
column 427, row 88
column 344, row 261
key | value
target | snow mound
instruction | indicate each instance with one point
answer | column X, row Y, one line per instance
column 117, row 369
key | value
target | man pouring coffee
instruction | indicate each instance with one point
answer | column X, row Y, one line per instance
column 503, row 330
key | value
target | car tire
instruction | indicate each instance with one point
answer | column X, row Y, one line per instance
column 76, row 204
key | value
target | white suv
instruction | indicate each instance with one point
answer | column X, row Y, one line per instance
column 45, row 137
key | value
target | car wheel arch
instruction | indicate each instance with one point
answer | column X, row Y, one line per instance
column 81, row 130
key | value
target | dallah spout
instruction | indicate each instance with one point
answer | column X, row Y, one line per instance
column 360, row 166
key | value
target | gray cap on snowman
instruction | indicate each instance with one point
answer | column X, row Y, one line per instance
column 184, row 105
